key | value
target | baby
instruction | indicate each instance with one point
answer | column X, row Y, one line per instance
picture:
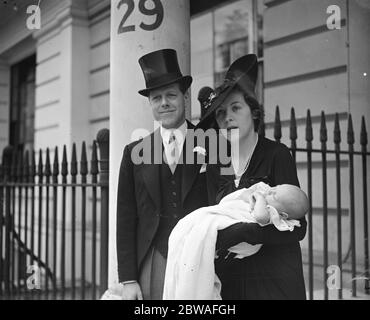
column 190, row 269
column 281, row 206
column 289, row 200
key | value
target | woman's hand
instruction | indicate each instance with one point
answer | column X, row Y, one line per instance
column 230, row 236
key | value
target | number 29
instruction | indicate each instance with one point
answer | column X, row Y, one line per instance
column 157, row 11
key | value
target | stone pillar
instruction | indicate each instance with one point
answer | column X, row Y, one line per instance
column 131, row 38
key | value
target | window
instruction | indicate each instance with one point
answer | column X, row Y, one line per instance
column 219, row 37
column 22, row 104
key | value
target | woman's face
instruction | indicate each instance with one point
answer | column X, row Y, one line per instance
column 234, row 114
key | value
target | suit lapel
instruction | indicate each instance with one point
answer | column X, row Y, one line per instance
column 189, row 174
column 189, row 171
column 151, row 171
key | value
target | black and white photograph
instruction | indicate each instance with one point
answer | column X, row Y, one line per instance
column 190, row 151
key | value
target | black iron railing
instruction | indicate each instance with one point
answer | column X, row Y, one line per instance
column 349, row 154
column 41, row 203
column 46, row 247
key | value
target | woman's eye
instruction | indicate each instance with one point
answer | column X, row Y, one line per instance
column 220, row 113
column 235, row 108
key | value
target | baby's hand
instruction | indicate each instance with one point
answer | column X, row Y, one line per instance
column 260, row 211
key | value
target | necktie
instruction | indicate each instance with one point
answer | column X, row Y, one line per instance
column 173, row 153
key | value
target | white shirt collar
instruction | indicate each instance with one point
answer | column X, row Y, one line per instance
column 179, row 133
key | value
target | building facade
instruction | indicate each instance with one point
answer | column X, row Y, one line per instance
column 59, row 83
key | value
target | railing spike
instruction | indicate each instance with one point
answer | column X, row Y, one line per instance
column 94, row 159
column 350, row 133
column 309, row 131
column 83, row 168
column 55, row 163
column 74, row 161
column 363, row 135
column 6, row 161
column 47, row 163
column 293, row 125
column 20, row 166
column 32, row 170
column 13, row 165
column 337, row 133
column 26, row 166
column 323, row 130
column 64, row 162
column 40, row 164
column 40, row 172
column 277, row 125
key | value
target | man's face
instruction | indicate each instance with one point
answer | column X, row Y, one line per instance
column 168, row 105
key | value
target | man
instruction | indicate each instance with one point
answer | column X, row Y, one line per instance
column 153, row 197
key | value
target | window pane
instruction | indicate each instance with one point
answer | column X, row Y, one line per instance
column 233, row 35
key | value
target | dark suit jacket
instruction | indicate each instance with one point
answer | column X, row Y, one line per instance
column 139, row 202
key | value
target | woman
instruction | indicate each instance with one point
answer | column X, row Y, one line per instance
column 275, row 272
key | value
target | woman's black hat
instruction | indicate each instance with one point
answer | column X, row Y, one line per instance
column 242, row 74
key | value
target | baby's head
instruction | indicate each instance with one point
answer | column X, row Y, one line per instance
column 288, row 198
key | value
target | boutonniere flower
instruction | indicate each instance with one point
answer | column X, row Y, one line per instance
column 200, row 150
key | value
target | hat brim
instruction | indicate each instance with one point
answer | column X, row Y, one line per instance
column 208, row 119
column 185, row 80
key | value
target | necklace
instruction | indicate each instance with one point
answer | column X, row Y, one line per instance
column 238, row 177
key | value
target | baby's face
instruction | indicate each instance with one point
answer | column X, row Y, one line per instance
column 273, row 197
column 285, row 195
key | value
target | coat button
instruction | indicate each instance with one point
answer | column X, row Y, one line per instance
column 173, row 182
column 174, row 193
column 174, row 204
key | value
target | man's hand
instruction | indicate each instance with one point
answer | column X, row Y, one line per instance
column 131, row 291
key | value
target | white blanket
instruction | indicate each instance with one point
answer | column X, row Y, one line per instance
column 190, row 271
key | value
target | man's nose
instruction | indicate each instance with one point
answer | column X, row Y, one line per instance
column 164, row 102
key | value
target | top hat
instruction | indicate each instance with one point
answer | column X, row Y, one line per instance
column 161, row 68
column 242, row 74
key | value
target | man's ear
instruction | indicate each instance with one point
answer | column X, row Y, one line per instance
column 186, row 94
